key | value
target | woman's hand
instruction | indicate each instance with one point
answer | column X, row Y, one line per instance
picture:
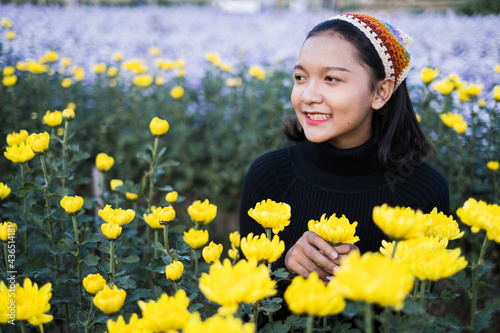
column 310, row 251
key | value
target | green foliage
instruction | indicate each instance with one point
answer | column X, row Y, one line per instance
column 481, row 7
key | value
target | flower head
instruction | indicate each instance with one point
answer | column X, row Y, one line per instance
column 311, row 296
column 373, row 278
column 9, row 81
column 119, row 326
column 228, row 285
column 272, row 215
column 72, row 205
column 212, row 252
column 15, row 139
column 7, row 229
column 131, row 196
column 19, row 153
column 171, row 197
column 174, row 270
column 261, row 248
column 4, row 191
column 6, row 23
column 10, row 34
column 493, row 165
column 158, row 126
column 104, row 162
column 165, row 214
column 444, row 87
column 66, row 82
column 202, row 212
column 428, row 74
column 196, row 238
column 99, row 68
column 481, row 216
column 32, row 302
column 153, row 221
column 114, row 183
column 110, row 300
column 235, row 238
column 68, row 114
column 39, row 143
column 93, row 283
column 116, row 216
column 400, row 222
column 177, row 92
column 143, row 80
column 496, row 93
column 442, row 226
column 53, row 119
column 257, row 72
column 169, row 313
column 111, row 231
column 334, row 229
column 216, row 324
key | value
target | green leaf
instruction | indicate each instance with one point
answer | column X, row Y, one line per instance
column 130, row 259
column 276, row 327
column 59, row 247
column 27, row 188
column 145, row 157
column 161, row 152
column 195, row 307
column 157, row 265
column 158, row 246
column 296, row 321
column 103, row 248
column 91, row 259
column 272, row 305
column 91, row 238
column 60, row 174
column 281, row 274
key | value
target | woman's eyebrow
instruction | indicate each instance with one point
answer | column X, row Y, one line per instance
column 325, row 69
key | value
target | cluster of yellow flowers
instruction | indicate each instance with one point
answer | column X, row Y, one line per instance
column 454, row 121
column 115, row 219
column 481, row 216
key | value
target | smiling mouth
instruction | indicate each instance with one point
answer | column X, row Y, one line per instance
column 318, row 116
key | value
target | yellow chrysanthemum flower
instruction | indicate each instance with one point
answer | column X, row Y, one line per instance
column 433, row 266
column 334, row 229
column 159, row 80
column 117, row 56
column 233, row 253
column 213, row 57
column 114, row 183
column 110, row 300
column 15, row 139
column 72, row 205
column 428, row 74
column 9, row 81
column 400, row 222
column 174, row 270
column 460, row 127
column 158, row 127
column 19, row 153
column 104, row 162
column 119, row 326
column 8, row 71
column 257, row 72
column 10, row 34
column 68, row 114
column 131, row 196
column 212, row 252
column 444, row 87
column 234, row 82
column 53, row 119
column 271, row 215
column 116, row 216
column 165, row 214
column 442, row 226
column 111, row 231
column 177, row 92
column 66, row 82
column 228, row 285
column 7, row 309
column 36, row 67
column 33, row 303
column 373, row 278
column 7, row 229
column 217, row 324
column 65, row 62
column 450, row 119
column 169, row 313
column 196, row 238
column 143, row 80
column 6, row 23
column 154, row 51
column 261, row 248
column 493, row 165
column 496, row 93
column 39, row 143
column 4, row 191
column 404, row 248
column 312, row 297
column 99, row 68
column 474, row 214
column 94, row 283
column 171, row 197
column 153, row 221
column 235, row 238
column 112, row 71
column 202, row 212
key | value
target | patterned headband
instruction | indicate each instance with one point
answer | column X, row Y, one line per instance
column 390, row 42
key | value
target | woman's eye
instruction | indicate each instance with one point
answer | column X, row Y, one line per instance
column 298, row 77
column 330, row 79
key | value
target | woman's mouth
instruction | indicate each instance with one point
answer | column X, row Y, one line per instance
column 317, row 118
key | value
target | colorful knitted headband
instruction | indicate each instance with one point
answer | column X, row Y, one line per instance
column 390, row 42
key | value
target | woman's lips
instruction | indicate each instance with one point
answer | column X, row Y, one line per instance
column 317, row 118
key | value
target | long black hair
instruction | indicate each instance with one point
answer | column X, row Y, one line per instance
column 397, row 134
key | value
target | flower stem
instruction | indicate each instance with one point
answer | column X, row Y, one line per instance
column 23, row 326
column 393, row 253
column 165, row 240
column 475, row 284
column 65, row 144
column 91, row 312
column 387, row 319
column 368, row 318
column 25, row 199
column 78, row 262
column 255, row 316
column 195, row 256
column 112, row 262
column 309, row 325
column 156, row 240
column 423, row 286
column 47, row 198
column 6, row 255
column 116, row 200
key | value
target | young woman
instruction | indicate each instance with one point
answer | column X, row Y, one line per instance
column 359, row 144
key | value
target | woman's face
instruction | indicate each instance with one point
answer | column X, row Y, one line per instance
column 332, row 94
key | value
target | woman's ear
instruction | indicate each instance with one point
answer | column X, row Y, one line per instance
column 383, row 93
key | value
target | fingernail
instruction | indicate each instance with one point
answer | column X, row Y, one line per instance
column 334, row 255
column 329, row 278
column 336, row 268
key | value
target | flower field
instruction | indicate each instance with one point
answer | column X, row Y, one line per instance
column 127, row 135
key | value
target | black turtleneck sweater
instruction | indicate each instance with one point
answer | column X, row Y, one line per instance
column 317, row 178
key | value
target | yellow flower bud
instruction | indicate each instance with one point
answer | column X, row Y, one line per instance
column 7, row 229
column 109, row 300
column 444, row 87
column 117, row 56
column 72, row 205
column 51, row 56
column 11, row 34
column 235, row 238
column 158, row 126
column 66, row 82
column 68, row 114
column 233, row 253
column 196, row 238
column 174, row 270
column 496, row 93
column 153, row 221
column 212, row 252
column 177, row 92
column 104, row 162
column 99, row 68
column 154, row 51
column 66, row 62
column 171, row 197
column 493, row 165
column 202, row 212
column 114, row 183
column 93, row 283
column 39, row 143
column 131, row 196
column 111, row 230
column 257, row 72
column 9, row 81
column 112, row 71
column 17, row 138
column 143, row 80
column 53, row 119
column 165, row 214
column 60, row 131
column 481, row 103
column 71, row 105
column 19, row 153
column 6, row 23
column 428, row 74
column 8, row 71
column 4, row 191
